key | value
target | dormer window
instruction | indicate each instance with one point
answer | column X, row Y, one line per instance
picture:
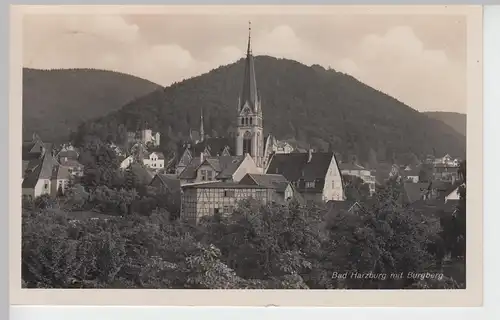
column 310, row 184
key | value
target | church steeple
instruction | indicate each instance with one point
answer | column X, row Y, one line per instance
column 249, row 129
column 249, row 91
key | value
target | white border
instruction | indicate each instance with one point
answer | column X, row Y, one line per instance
column 492, row 265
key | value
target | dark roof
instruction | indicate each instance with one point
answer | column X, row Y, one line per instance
column 222, row 185
column 294, row 166
column 42, row 169
column 225, row 166
column 249, row 89
column 434, row 208
column 228, row 165
column 415, row 191
column 169, row 180
column 31, row 150
column 275, row 181
column 441, row 185
column 214, row 145
column 60, row 172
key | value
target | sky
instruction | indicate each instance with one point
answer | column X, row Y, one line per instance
column 418, row 59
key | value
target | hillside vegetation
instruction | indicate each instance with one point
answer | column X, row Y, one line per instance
column 457, row 121
column 56, row 101
column 328, row 109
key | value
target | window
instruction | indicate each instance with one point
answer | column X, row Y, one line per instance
column 203, row 175
column 228, row 193
column 242, row 121
column 333, row 184
column 161, row 165
column 250, row 121
column 210, row 175
column 46, row 185
column 228, row 209
column 310, row 184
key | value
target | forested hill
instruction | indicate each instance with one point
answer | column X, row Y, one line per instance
column 328, row 109
column 56, row 101
column 457, row 121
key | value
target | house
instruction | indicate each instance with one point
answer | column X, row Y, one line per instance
column 60, row 180
column 410, row 174
column 166, row 182
column 210, row 198
column 434, row 190
column 283, row 189
column 210, row 147
column 222, row 168
column 75, row 168
column 316, row 176
column 445, row 172
column 154, row 160
column 38, row 177
column 354, row 169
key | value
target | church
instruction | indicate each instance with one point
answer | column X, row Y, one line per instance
column 249, row 137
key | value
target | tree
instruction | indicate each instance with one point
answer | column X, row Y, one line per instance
column 355, row 188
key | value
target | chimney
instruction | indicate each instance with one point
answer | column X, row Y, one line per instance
column 309, row 155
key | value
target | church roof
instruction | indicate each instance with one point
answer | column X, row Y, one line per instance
column 249, row 89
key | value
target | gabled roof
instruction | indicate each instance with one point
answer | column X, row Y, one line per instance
column 225, row 166
column 275, row 181
column 214, row 145
column 42, row 169
column 228, row 166
column 294, row 166
column 170, row 181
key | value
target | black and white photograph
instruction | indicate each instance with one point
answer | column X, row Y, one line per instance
column 241, row 150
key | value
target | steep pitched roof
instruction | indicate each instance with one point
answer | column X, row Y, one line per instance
column 228, row 165
column 225, row 166
column 42, row 169
column 275, row 181
column 249, row 92
column 170, row 181
column 60, row 172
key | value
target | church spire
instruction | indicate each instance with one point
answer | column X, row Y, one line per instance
column 249, row 48
column 249, row 90
column 202, row 130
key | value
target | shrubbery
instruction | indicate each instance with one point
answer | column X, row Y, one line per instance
column 258, row 246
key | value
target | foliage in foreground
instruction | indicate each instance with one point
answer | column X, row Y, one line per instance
column 266, row 247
